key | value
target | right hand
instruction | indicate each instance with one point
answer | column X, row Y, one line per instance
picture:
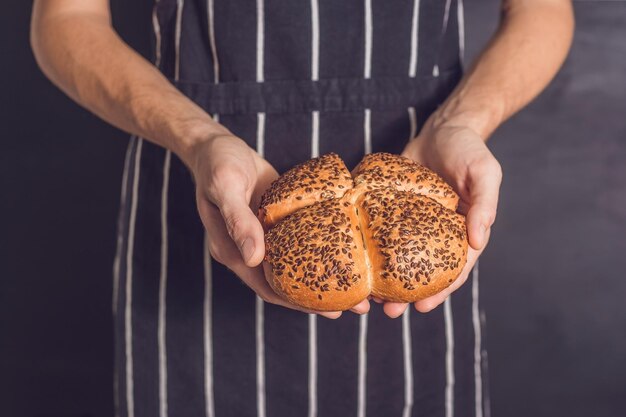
column 230, row 178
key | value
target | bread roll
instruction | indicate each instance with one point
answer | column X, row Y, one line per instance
column 315, row 257
column 331, row 241
column 315, row 180
column 386, row 170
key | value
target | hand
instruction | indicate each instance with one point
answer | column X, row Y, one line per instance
column 460, row 156
column 230, row 179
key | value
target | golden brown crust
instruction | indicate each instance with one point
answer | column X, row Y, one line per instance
column 381, row 169
column 417, row 247
column 314, row 258
column 395, row 235
column 317, row 179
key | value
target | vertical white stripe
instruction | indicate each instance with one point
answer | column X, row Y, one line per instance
column 478, row 380
column 315, row 40
column 413, row 123
column 315, row 134
column 367, row 129
column 362, row 374
column 208, row 331
column 161, row 321
column 120, row 241
column 260, row 40
column 406, row 323
column 117, row 264
column 367, row 72
column 260, row 134
column 444, row 28
column 163, row 289
column 179, row 20
column 157, row 51
column 211, row 19
column 128, row 329
column 367, row 133
column 315, row 122
column 315, row 151
column 156, row 27
column 461, row 23
column 260, row 330
column 449, row 397
column 485, row 367
column 260, row 358
column 408, row 363
column 446, row 17
column 414, row 38
column 260, row 148
column 209, row 398
column 312, row 365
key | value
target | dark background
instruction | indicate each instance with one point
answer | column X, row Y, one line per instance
column 553, row 276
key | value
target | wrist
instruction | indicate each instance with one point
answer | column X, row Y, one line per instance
column 189, row 138
column 481, row 115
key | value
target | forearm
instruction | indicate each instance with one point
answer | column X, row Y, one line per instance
column 82, row 55
column 523, row 56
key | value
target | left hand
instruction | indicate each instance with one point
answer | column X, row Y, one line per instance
column 460, row 156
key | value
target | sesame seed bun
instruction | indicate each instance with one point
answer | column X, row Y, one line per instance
column 386, row 170
column 391, row 232
column 317, row 179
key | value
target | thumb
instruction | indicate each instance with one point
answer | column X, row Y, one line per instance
column 243, row 226
column 484, row 189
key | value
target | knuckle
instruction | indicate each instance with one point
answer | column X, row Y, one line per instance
column 219, row 175
column 226, row 177
column 220, row 172
column 496, row 168
column 234, row 225
column 486, row 213
column 488, row 166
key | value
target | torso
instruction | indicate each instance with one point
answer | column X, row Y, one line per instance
column 299, row 79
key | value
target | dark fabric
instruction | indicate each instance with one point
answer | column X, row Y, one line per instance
column 286, row 98
column 335, row 94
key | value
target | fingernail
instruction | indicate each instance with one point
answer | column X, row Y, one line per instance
column 247, row 249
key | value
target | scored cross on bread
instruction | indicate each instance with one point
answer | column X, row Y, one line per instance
column 333, row 238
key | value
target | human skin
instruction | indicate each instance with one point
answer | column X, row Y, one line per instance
column 77, row 48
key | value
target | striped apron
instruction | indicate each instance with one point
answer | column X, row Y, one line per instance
column 294, row 79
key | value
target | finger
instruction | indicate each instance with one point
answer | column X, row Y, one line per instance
column 413, row 150
column 484, row 186
column 361, row 308
column 255, row 279
column 378, row 300
column 224, row 250
column 394, row 310
column 430, row 303
column 334, row 315
column 266, row 174
column 242, row 225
